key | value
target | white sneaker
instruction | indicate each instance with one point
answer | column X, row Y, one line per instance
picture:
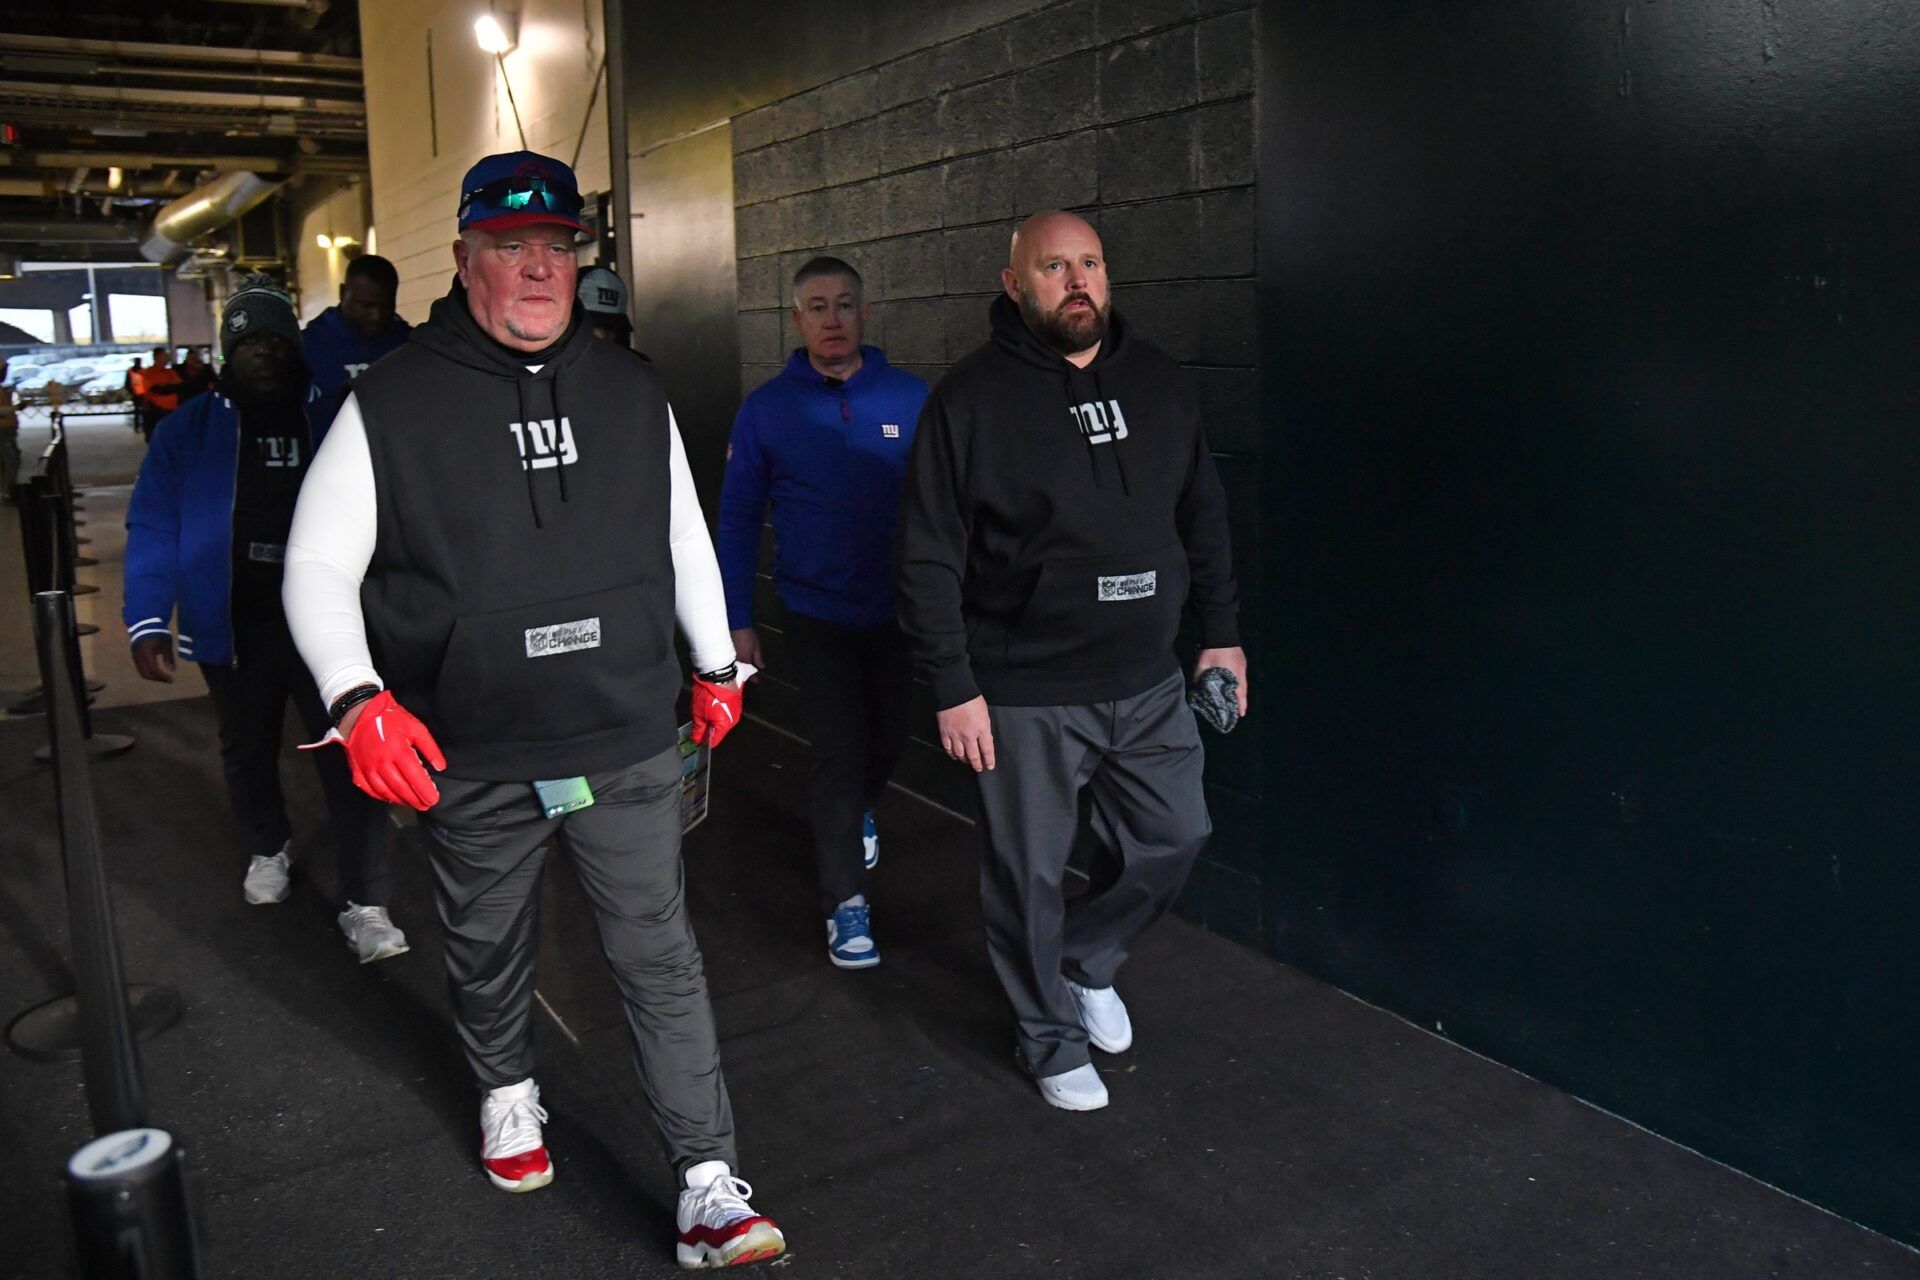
column 370, row 933
column 269, row 878
column 511, row 1148
column 1104, row 1016
column 1077, row 1090
column 718, row 1228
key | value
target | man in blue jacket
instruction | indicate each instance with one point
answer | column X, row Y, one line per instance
column 206, row 537
column 343, row 340
column 826, row 443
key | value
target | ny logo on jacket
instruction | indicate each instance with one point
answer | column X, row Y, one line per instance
column 551, row 448
column 280, row 451
column 1101, row 422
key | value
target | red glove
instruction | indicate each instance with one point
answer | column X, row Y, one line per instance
column 385, row 750
column 716, row 709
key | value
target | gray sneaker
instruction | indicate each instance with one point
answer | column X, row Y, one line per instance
column 370, row 933
column 269, row 878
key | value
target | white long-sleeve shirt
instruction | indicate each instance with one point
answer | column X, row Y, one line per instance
column 335, row 524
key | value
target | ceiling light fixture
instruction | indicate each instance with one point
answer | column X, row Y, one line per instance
column 494, row 37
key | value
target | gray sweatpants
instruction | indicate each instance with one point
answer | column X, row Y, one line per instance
column 489, row 847
column 1140, row 760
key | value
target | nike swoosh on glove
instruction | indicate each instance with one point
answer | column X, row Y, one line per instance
column 716, row 709
column 385, row 749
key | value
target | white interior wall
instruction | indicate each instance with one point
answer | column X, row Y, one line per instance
column 320, row 271
column 419, row 148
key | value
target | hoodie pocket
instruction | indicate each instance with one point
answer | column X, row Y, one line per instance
column 552, row 671
column 1113, row 611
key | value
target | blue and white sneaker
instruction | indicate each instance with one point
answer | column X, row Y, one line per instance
column 849, row 937
column 870, row 840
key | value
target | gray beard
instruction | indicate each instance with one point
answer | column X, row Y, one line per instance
column 1062, row 333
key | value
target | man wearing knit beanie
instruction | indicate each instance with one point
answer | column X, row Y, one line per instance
column 206, row 537
column 258, row 306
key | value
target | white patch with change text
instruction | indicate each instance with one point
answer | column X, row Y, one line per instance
column 1130, row 586
column 563, row 637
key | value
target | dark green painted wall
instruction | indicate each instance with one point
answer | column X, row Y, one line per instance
column 1591, row 337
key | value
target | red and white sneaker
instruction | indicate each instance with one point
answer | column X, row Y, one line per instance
column 718, row 1228
column 511, row 1150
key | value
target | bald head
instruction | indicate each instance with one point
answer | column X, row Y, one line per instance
column 1057, row 274
column 1049, row 227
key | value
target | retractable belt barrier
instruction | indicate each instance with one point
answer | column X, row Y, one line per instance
column 127, row 1188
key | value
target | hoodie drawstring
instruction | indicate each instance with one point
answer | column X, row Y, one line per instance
column 527, row 456
column 1119, row 461
column 1086, row 435
column 559, row 417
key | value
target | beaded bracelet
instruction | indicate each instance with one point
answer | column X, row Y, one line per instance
column 350, row 699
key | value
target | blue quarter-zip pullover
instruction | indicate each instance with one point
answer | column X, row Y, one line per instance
column 337, row 353
column 180, row 527
column 830, row 457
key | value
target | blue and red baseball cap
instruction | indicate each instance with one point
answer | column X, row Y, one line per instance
column 519, row 189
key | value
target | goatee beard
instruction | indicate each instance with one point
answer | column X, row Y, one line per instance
column 1066, row 332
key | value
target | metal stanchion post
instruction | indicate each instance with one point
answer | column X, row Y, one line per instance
column 41, row 564
column 98, row 1009
column 127, row 1194
column 96, row 746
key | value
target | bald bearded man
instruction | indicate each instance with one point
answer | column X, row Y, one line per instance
column 1061, row 512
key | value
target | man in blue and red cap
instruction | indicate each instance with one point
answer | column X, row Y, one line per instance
column 485, row 568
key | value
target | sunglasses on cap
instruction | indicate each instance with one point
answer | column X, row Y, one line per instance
column 522, row 192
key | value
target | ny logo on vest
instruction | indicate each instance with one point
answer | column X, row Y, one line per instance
column 550, row 448
column 279, row 451
column 355, row 370
column 1101, row 422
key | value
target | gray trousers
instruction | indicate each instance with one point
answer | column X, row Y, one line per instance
column 489, row 848
column 1140, row 761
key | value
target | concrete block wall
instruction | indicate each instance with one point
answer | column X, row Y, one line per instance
column 1138, row 114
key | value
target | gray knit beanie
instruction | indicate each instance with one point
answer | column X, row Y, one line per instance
column 258, row 306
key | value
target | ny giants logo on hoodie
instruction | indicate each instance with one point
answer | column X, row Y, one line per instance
column 551, row 448
column 1101, row 422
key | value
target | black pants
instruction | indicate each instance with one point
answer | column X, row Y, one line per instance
column 489, row 845
column 1140, row 760
column 250, row 701
column 855, row 685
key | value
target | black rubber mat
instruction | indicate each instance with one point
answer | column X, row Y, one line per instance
column 1265, row 1126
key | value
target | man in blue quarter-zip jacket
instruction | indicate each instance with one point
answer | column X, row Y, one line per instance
column 343, row 340
column 826, row 443
column 206, row 536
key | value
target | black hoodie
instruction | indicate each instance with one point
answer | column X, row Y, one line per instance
column 1056, row 521
column 520, row 596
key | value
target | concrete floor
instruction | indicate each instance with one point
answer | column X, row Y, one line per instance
column 1264, row 1125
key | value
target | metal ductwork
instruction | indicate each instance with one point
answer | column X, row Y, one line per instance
column 209, row 208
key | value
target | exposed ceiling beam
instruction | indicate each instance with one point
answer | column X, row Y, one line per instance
column 98, row 93
column 40, row 231
column 179, row 52
column 133, row 120
column 161, row 158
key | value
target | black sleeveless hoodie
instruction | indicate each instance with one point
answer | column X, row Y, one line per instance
column 520, row 596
